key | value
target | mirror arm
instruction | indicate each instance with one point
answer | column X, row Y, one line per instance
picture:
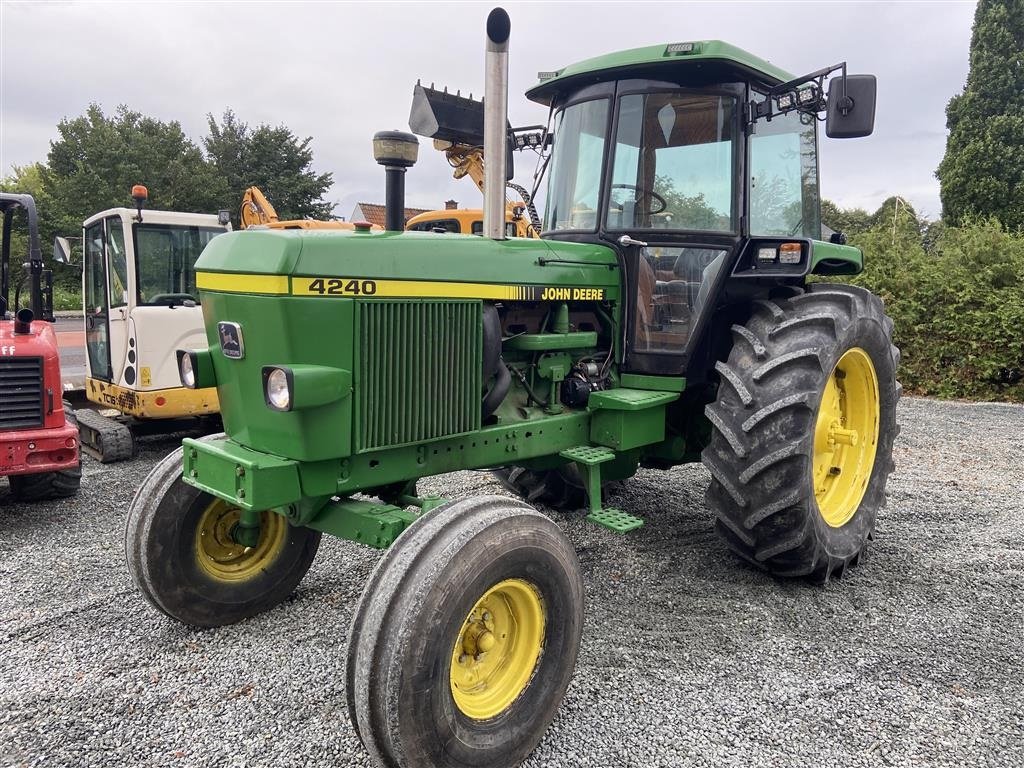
column 764, row 109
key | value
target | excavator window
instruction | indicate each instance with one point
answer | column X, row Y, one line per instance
column 165, row 261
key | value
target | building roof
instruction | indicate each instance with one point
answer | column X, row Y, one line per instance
column 694, row 53
column 374, row 213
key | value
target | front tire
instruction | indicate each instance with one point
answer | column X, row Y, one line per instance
column 466, row 637
column 182, row 558
column 803, row 431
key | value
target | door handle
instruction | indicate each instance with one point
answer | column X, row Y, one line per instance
column 626, row 241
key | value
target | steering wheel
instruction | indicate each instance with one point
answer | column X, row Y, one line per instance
column 643, row 193
column 171, row 298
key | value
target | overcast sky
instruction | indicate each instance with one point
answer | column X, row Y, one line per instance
column 341, row 71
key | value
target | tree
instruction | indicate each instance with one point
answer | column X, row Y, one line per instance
column 982, row 173
column 273, row 159
column 97, row 159
column 850, row 221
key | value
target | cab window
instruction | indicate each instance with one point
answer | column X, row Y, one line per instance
column 575, row 180
column 448, row 225
column 673, row 163
column 118, row 262
column 165, row 259
column 784, row 197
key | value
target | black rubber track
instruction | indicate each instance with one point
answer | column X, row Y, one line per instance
column 762, row 444
column 49, row 485
column 414, row 604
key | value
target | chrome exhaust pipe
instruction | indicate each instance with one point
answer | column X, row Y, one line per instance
column 495, row 122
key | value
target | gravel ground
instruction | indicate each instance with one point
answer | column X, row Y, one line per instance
column 689, row 657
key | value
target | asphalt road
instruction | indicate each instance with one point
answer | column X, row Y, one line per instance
column 689, row 657
column 71, row 341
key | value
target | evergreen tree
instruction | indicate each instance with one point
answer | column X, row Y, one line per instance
column 982, row 173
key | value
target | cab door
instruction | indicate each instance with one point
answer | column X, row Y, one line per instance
column 97, row 303
column 106, row 297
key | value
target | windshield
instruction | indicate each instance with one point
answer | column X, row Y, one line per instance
column 165, row 257
column 673, row 163
column 575, row 181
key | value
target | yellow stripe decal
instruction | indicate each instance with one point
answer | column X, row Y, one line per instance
column 357, row 286
column 234, row 282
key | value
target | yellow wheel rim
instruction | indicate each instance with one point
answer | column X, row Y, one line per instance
column 846, row 437
column 224, row 559
column 497, row 650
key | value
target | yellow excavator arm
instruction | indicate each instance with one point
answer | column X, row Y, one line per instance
column 256, row 209
column 464, row 160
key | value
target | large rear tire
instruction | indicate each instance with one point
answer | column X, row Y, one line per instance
column 50, row 485
column 182, row 558
column 465, row 638
column 803, row 430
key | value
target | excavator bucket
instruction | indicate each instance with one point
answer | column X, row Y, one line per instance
column 445, row 116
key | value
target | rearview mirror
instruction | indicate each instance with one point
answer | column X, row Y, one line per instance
column 61, row 250
column 851, row 115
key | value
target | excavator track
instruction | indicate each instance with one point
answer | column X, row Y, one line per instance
column 103, row 438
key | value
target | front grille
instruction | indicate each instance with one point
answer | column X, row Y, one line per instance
column 419, row 371
column 21, row 392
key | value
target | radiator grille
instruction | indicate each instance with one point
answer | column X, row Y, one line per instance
column 419, row 371
column 21, row 392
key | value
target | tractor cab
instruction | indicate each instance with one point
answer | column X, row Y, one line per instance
column 697, row 162
column 141, row 303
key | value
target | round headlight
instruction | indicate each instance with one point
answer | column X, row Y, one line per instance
column 187, row 372
column 277, row 390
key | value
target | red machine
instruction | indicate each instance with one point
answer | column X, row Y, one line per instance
column 38, row 436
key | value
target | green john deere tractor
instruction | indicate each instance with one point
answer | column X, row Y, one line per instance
column 665, row 317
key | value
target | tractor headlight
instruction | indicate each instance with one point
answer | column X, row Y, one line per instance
column 277, row 388
column 187, row 371
column 294, row 387
column 195, row 368
column 188, row 364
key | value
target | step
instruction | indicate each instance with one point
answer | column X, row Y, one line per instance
column 590, row 455
column 615, row 519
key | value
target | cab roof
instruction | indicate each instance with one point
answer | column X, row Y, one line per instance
column 696, row 52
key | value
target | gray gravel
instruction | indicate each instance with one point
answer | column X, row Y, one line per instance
column 689, row 657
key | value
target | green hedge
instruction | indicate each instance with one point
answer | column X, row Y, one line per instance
column 956, row 295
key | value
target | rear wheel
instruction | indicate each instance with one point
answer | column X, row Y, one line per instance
column 50, row 485
column 466, row 637
column 804, row 426
column 183, row 557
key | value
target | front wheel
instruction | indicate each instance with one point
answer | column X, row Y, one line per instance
column 803, row 431
column 183, row 557
column 466, row 637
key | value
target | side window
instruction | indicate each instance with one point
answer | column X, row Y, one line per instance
column 95, row 272
column 784, row 178
column 477, row 228
column 672, row 287
column 118, row 262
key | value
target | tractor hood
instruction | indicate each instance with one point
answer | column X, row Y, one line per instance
column 400, row 264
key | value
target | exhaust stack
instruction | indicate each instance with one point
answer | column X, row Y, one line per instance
column 495, row 121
